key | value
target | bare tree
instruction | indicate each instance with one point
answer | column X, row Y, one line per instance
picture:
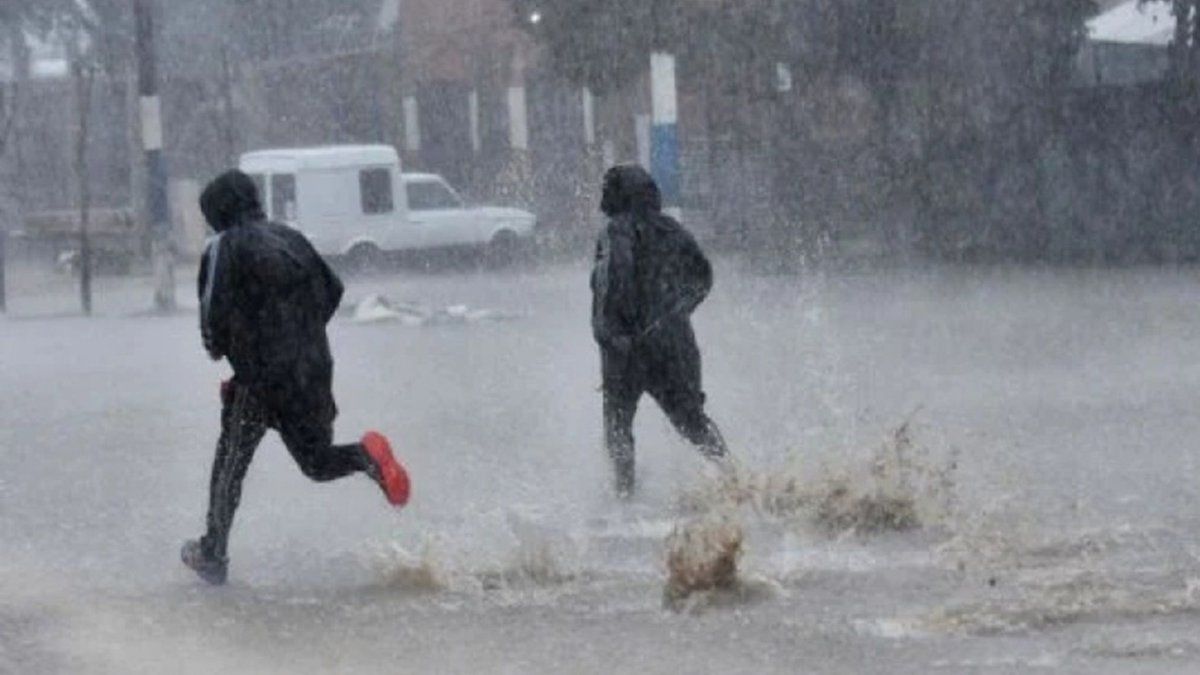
column 83, row 76
column 12, row 93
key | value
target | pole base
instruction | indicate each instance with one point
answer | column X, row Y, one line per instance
column 164, row 277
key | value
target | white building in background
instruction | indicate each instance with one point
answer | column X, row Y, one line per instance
column 1127, row 44
column 1132, row 22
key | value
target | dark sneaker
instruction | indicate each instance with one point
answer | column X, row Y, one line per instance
column 213, row 570
column 390, row 475
column 714, row 447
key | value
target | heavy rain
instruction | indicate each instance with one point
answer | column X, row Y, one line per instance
column 323, row 324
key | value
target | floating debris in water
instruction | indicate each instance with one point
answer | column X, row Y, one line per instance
column 377, row 308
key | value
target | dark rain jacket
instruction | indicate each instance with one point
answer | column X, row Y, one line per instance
column 648, row 277
column 265, row 298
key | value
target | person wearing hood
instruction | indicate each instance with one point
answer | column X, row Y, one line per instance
column 649, row 275
column 265, row 299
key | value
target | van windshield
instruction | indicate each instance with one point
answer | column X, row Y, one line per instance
column 427, row 195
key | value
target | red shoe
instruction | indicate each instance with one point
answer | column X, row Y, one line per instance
column 391, row 475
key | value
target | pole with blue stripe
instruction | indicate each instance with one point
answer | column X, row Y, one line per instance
column 664, row 130
column 157, row 207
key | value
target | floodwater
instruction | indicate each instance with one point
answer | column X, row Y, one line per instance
column 1048, row 453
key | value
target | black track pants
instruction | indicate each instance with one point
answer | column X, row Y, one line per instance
column 687, row 416
column 244, row 422
column 672, row 378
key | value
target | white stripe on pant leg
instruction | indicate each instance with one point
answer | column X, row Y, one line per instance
column 237, row 415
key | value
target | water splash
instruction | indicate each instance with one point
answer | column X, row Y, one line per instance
column 702, row 556
column 524, row 555
column 402, row 570
column 902, row 487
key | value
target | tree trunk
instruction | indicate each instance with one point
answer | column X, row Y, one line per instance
column 83, row 75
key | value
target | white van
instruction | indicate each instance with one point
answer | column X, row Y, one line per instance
column 353, row 201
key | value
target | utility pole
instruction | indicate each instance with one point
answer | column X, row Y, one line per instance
column 664, row 130
column 83, row 74
column 157, row 207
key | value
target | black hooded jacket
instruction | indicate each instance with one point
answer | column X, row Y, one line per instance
column 649, row 273
column 265, row 297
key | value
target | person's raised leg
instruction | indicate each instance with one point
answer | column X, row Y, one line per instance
column 683, row 404
column 310, row 442
column 678, row 388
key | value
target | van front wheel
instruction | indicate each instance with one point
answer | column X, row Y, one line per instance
column 364, row 258
column 504, row 249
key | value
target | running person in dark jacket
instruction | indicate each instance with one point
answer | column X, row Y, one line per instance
column 648, row 278
column 265, row 297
